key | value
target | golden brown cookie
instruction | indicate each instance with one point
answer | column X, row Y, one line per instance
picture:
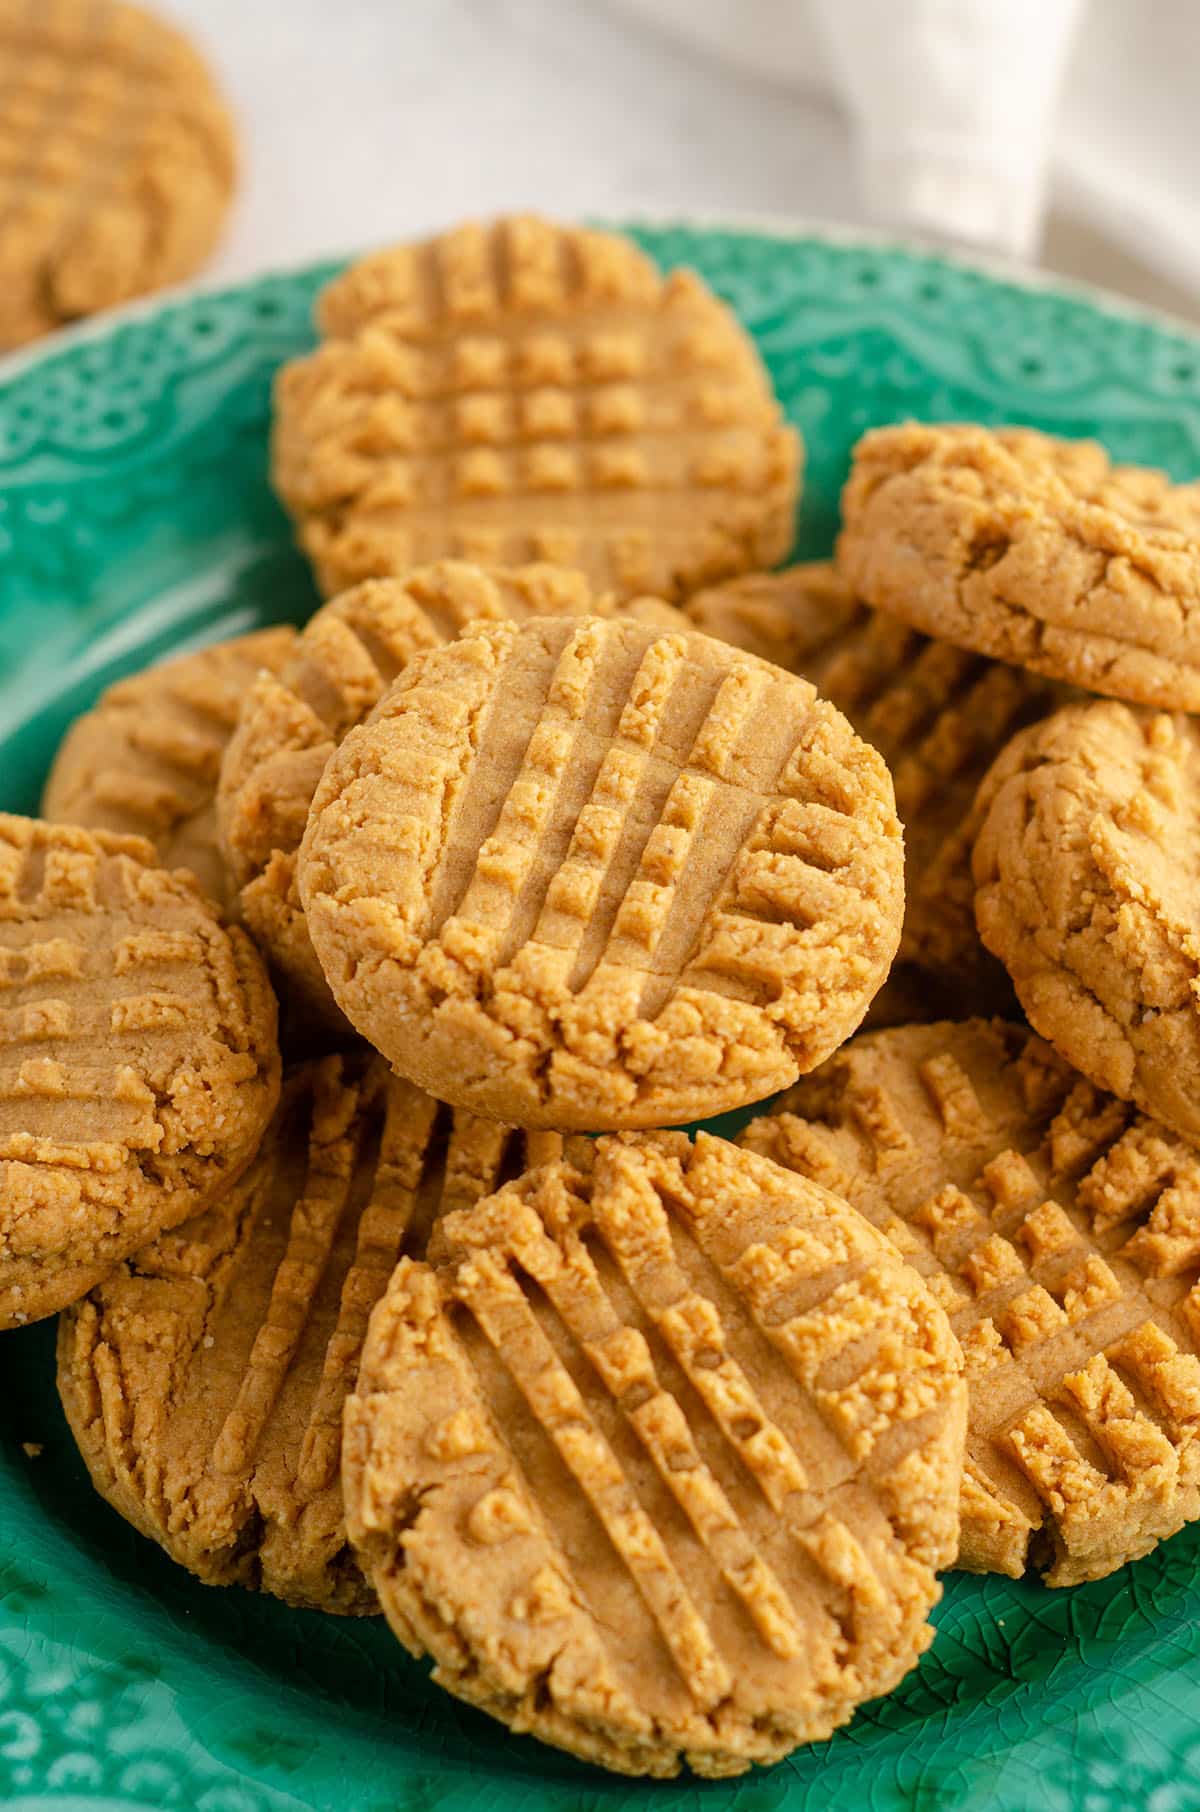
column 938, row 715
column 204, row 1379
column 138, row 1057
column 592, row 874
column 1061, row 1232
column 116, row 160
column 1088, row 873
column 658, row 1457
column 1035, row 550
column 524, row 391
column 294, row 718
column 145, row 760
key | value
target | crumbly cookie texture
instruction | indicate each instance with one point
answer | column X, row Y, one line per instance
column 145, row 760
column 1087, row 867
column 1060, row 1230
column 525, row 391
column 590, row 874
column 292, row 720
column 116, row 160
column 204, row 1379
column 1036, row 550
column 938, row 715
column 138, row 1057
column 658, row 1457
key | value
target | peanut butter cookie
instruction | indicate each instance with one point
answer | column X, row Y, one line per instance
column 1036, row 550
column 204, row 1380
column 1088, row 873
column 591, row 874
column 138, row 1057
column 1061, row 1232
column 116, row 160
column 293, row 718
column 938, row 715
column 145, row 760
column 523, row 391
column 658, row 1457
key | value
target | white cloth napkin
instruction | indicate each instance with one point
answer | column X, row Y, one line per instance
column 974, row 117
column 953, row 102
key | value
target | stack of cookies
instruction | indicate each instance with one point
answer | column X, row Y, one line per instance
column 562, row 817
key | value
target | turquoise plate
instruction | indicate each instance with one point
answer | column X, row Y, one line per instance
column 135, row 518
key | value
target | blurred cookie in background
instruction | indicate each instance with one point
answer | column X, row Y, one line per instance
column 116, row 161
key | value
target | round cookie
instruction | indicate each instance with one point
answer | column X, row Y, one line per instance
column 592, row 874
column 524, row 391
column 204, row 1380
column 292, row 720
column 1087, row 870
column 658, row 1456
column 938, row 715
column 1035, row 550
column 138, row 1057
column 1060, row 1230
column 117, row 158
column 145, row 760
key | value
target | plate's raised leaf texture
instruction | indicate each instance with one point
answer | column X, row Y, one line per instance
column 136, row 518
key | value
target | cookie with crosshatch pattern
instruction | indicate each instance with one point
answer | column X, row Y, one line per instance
column 658, row 1456
column 593, row 874
column 138, row 1057
column 145, row 760
column 525, row 391
column 116, row 160
column 293, row 717
column 938, row 715
column 204, row 1379
column 1060, row 1229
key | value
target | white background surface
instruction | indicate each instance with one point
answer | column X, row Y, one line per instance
column 368, row 120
